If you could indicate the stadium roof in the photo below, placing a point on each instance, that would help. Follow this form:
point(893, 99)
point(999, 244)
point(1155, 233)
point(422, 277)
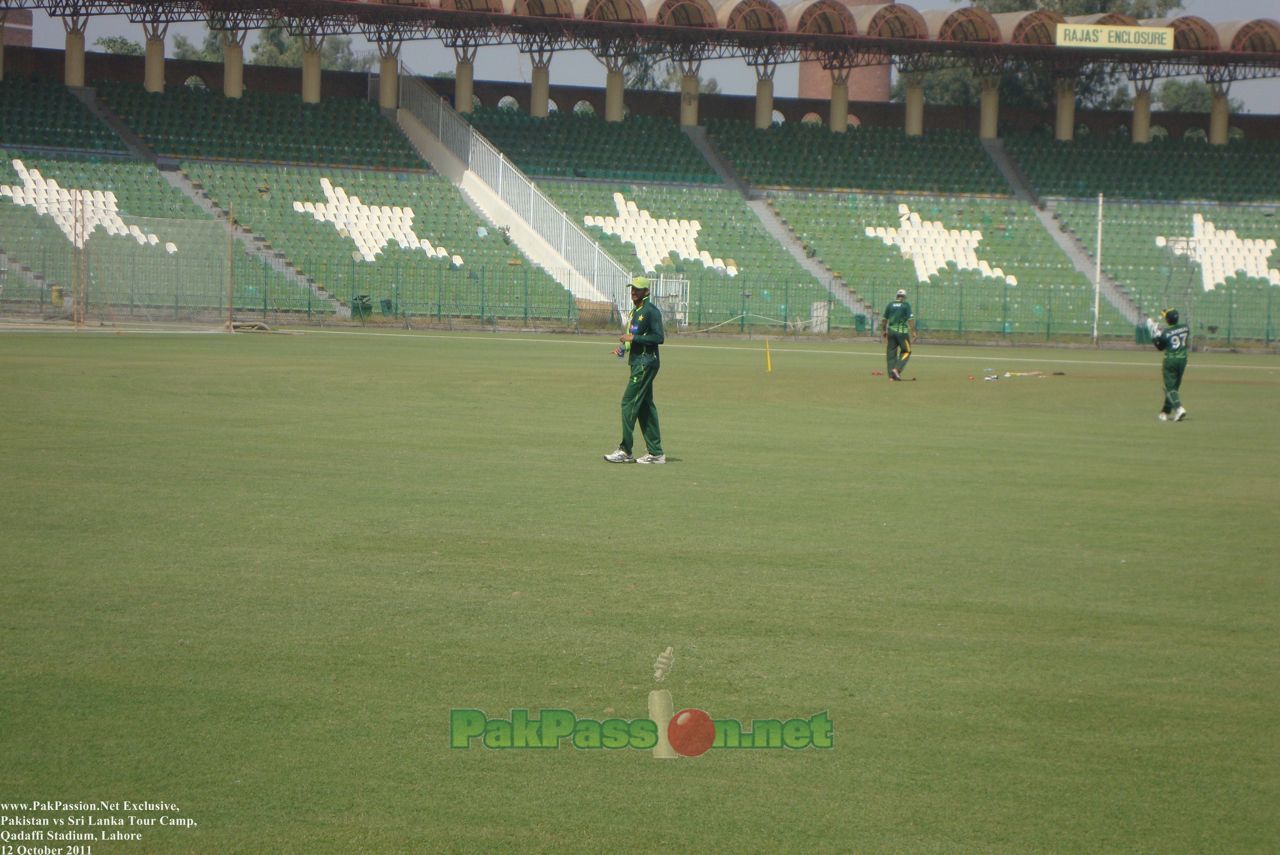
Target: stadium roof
point(836, 34)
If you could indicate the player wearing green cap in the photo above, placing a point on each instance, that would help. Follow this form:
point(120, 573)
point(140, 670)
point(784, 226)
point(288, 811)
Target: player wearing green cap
point(640, 345)
point(898, 328)
point(1175, 343)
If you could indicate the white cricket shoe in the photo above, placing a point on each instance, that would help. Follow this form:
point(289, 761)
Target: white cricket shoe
point(652, 458)
point(1179, 414)
point(1163, 416)
point(619, 456)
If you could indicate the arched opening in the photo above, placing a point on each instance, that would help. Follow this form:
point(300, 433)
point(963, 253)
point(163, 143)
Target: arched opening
point(1235, 133)
point(969, 25)
point(1083, 130)
point(195, 82)
point(686, 13)
point(620, 11)
point(811, 119)
point(854, 121)
point(777, 118)
point(825, 17)
point(584, 108)
point(890, 21)
point(508, 102)
point(1159, 132)
point(1260, 36)
point(1196, 135)
point(758, 16)
point(552, 107)
point(1037, 28)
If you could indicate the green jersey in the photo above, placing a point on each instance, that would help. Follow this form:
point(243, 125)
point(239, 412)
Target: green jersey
point(1175, 342)
point(645, 327)
point(898, 316)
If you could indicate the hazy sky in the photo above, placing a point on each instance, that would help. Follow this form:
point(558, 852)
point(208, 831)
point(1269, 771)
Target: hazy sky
point(579, 67)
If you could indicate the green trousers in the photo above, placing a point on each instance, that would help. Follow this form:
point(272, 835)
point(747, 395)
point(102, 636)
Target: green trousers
point(1172, 383)
point(897, 350)
point(637, 405)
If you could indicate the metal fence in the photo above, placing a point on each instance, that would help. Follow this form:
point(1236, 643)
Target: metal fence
point(165, 269)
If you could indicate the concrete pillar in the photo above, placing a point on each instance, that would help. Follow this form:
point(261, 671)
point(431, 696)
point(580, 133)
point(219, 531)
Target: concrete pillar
point(989, 118)
point(1219, 116)
point(153, 74)
point(389, 77)
point(73, 51)
point(464, 78)
point(915, 106)
point(614, 92)
point(1141, 132)
point(689, 97)
point(540, 89)
point(311, 46)
point(838, 118)
point(764, 100)
point(1064, 127)
point(233, 63)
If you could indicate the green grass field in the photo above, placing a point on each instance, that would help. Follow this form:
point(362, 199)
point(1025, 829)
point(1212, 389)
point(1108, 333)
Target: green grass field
point(251, 575)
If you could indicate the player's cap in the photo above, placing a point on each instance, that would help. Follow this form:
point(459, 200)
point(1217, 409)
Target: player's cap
point(1169, 316)
point(902, 292)
point(640, 283)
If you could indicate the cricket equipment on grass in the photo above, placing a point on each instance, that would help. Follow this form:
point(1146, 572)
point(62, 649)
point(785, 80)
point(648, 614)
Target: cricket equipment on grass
point(1164, 417)
point(663, 664)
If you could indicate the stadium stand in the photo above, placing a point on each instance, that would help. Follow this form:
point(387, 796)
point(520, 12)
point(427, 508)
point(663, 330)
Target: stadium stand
point(708, 236)
point(1218, 263)
point(864, 158)
point(640, 148)
point(406, 241)
point(969, 264)
point(147, 249)
point(1162, 169)
point(260, 127)
point(37, 114)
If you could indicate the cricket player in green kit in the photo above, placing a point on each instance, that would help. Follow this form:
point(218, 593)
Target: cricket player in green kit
point(898, 327)
point(1175, 342)
point(640, 345)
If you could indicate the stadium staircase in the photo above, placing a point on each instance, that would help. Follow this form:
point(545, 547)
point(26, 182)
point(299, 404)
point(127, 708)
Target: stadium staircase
point(503, 196)
point(1012, 174)
point(698, 136)
point(1066, 240)
point(783, 234)
point(253, 244)
point(138, 147)
point(772, 224)
point(14, 272)
point(1113, 291)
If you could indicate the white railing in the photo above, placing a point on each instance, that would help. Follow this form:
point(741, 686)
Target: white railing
point(583, 254)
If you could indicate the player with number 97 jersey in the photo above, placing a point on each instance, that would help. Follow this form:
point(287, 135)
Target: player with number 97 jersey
point(1175, 343)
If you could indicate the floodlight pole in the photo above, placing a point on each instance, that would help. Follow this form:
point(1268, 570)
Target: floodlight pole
point(1097, 274)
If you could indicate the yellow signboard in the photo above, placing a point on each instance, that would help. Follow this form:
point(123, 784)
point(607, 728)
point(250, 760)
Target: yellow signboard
point(1121, 38)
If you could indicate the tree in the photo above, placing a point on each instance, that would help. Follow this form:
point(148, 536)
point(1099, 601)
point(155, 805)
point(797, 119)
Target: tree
point(673, 76)
point(1190, 96)
point(1033, 88)
point(209, 51)
point(646, 70)
point(276, 47)
point(120, 46)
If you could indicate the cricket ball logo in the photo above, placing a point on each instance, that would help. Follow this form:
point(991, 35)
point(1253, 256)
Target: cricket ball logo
point(687, 733)
point(668, 734)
